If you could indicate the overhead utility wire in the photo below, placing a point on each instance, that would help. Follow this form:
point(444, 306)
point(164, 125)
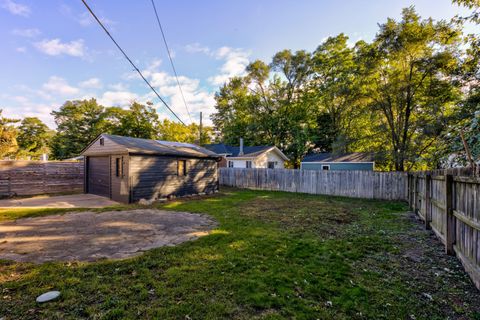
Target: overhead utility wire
point(129, 60)
point(171, 60)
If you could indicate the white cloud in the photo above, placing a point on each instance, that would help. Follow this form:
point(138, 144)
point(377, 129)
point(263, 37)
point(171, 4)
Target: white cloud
point(27, 33)
point(18, 107)
point(92, 83)
point(21, 49)
point(197, 98)
point(119, 86)
point(16, 8)
point(59, 86)
point(85, 20)
point(55, 47)
point(236, 60)
point(117, 98)
point(197, 48)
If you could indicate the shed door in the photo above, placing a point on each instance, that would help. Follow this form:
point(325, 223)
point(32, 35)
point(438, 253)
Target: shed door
point(99, 176)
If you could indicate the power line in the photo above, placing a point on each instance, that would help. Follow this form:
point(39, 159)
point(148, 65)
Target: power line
point(171, 60)
point(131, 62)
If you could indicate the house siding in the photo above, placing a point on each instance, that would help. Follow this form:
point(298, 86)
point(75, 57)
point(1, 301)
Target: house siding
point(153, 177)
point(271, 156)
point(261, 161)
point(367, 166)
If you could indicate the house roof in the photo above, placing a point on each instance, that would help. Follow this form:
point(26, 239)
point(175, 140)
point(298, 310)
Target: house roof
point(218, 148)
point(232, 151)
point(160, 147)
point(346, 157)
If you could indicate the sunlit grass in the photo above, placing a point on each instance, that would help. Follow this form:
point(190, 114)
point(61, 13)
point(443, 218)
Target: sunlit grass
point(273, 256)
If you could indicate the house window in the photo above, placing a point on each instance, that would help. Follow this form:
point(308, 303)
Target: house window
point(248, 164)
point(182, 167)
point(102, 141)
point(117, 167)
point(230, 164)
point(271, 165)
point(325, 167)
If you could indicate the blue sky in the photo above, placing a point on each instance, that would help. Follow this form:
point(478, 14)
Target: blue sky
point(52, 51)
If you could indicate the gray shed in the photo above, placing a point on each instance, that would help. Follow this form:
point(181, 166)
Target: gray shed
point(128, 169)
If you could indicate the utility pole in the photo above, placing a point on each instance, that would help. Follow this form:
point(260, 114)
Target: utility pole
point(200, 129)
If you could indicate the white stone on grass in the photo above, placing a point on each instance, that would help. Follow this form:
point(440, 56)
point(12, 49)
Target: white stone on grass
point(48, 296)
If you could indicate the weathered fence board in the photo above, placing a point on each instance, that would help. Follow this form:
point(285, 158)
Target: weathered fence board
point(20, 178)
point(358, 184)
point(453, 212)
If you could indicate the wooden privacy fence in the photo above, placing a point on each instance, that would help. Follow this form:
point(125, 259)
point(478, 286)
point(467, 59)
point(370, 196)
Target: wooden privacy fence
point(19, 178)
point(450, 206)
point(358, 184)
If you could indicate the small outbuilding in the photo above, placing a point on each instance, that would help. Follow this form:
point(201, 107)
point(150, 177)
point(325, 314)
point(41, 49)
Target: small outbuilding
point(129, 169)
point(330, 161)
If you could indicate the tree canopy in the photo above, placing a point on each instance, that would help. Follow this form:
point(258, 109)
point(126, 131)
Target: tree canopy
point(398, 96)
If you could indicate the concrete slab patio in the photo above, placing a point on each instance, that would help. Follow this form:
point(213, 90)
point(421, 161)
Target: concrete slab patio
point(68, 201)
point(89, 236)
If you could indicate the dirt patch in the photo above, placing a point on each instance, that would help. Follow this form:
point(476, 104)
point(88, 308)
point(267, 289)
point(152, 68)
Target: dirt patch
point(89, 236)
point(301, 214)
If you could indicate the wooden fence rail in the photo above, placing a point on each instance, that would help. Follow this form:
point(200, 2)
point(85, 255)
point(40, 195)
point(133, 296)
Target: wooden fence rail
point(20, 178)
point(450, 205)
point(358, 184)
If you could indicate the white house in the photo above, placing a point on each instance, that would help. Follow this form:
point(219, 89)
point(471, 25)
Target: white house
point(249, 157)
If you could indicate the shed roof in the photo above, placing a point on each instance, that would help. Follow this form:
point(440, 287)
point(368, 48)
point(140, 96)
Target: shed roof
point(346, 157)
point(159, 147)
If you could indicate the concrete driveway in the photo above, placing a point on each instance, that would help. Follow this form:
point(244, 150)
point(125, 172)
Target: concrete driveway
point(70, 201)
point(89, 236)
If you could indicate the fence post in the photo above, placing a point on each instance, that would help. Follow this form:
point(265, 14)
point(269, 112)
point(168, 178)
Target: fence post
point(409, 192)
point(450, 219)
point(415, 194)
point(428, 204)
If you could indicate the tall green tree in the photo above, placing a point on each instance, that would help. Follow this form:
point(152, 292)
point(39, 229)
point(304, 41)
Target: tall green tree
point(269, 105)
point(468, 113)
point(338, 95)
point(8, 136)
point(236, 111)
point(34, 137)
point(409, 82)
point(399, 96)
point(78, 123)
point(174, 131)
point(139, 121)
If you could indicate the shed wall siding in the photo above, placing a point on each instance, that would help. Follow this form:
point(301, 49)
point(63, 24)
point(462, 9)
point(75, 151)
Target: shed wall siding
point(338, 166)
point(109, 147)
point(153, 177)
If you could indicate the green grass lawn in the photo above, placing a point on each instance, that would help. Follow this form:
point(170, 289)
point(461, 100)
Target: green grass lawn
point(274, 255)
